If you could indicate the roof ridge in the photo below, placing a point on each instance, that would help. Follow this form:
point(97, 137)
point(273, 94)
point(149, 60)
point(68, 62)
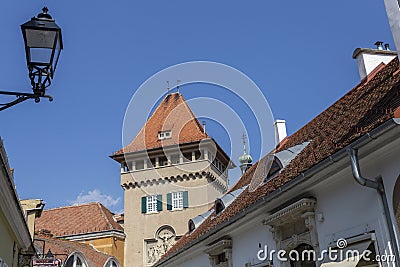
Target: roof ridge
point(172, 112)
point(148, 119)
point(72, 206)
point(104, 215)
point(352, 90)
point(198, 124)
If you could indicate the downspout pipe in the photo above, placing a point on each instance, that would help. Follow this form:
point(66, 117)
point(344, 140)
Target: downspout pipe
point(379, 187)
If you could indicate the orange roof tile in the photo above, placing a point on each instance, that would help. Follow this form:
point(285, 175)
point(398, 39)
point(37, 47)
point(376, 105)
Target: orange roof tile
point(79, 219)
point(361, 110)
point(62, 248)
point(173, 114)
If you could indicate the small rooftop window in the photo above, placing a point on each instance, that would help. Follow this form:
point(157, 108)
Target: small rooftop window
point(164, 135)
point(221, 203)
point(283, 158)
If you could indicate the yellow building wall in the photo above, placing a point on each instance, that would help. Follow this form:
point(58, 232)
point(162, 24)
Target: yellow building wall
point(113, 246)
point(7, 242)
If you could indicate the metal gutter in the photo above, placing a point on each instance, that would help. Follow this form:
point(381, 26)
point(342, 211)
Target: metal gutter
point(342, 153)
point(107, 233)
point(379, 187)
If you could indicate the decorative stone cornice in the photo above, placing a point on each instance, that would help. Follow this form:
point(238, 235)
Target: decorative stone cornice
point(294, 210)
point(219, 247)
point(222, 185)
point(162, 180)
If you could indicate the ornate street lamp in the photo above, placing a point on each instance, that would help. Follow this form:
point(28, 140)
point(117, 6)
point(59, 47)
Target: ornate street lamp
point(43, 44)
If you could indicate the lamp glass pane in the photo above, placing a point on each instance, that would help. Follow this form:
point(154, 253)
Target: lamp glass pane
point(40, 38)
point(40, 55)
point(56, 53)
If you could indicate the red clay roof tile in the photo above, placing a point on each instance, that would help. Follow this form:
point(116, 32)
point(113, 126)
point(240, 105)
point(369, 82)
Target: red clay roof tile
point(62, 248)
point(364, 108)
point(79, 219)
point(173, 114)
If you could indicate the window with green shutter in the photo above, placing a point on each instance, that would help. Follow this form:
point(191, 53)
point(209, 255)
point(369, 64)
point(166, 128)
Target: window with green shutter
point(185, 199)
point(144, 204)
point(151, 204)
point(159, 202)
point(169, 201)
point(177, 200)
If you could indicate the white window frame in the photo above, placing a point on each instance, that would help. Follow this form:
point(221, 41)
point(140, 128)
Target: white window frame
point(151, 204)
point(112, 263)
point(75, 260)
point(177, 200)
point(164, 135)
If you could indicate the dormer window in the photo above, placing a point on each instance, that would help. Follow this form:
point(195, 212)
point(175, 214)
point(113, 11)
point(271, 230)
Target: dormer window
point(164, 135)
point(219, 206)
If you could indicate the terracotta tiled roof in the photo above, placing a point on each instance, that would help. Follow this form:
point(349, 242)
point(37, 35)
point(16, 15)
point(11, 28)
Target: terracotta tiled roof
point(374, 101)
point(62, 248)
point(79, 219)
point(173, 114)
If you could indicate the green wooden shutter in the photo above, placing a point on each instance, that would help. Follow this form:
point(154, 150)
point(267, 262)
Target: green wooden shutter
point(159, 202)
point(185, 199)
point(144, 204)
point(169, 201)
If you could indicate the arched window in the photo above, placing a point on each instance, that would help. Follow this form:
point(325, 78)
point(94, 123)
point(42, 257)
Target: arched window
point(112, 263)
point(396, 201)
point(219, 206)
point(75, 260)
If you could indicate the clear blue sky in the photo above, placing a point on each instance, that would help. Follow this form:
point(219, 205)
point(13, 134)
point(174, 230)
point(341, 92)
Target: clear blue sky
point(298, 53)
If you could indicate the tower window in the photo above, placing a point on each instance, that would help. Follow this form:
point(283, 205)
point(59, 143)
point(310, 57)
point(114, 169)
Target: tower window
point(177, 200)
point(164, 135)
point(151, 204)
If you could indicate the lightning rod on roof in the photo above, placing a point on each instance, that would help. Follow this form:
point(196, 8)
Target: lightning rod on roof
point(168, 87)
point(177, 85)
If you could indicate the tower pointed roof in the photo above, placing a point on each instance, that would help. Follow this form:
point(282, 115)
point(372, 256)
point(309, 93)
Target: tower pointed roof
point(173, 115)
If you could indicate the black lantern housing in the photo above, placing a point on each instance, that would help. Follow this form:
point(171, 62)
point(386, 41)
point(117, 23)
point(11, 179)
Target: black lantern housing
point(43, 44)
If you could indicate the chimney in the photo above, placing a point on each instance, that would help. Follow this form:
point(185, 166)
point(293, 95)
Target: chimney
point(280, 131)
point(368, 59)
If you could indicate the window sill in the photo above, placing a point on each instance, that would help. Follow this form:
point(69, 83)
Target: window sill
point(177, 209)
point(153, 212)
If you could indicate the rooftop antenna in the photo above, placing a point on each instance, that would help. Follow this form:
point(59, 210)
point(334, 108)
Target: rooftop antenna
point(177, 84)
point(168, 87)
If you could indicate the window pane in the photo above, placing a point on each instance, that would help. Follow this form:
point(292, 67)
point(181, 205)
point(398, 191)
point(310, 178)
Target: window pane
point(78, 262)
point(151, 204)
point(70, 262)
point(177, 200)
point(41, 55)
point(56, 54)
point(39, 38)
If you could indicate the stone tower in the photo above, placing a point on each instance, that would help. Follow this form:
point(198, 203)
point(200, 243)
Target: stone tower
point(170, 172)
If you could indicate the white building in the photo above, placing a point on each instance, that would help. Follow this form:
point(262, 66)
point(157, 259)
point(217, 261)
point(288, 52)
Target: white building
point(333, 186)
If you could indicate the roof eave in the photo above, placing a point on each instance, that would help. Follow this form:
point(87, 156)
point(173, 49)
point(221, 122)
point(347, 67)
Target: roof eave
point(359, 142)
